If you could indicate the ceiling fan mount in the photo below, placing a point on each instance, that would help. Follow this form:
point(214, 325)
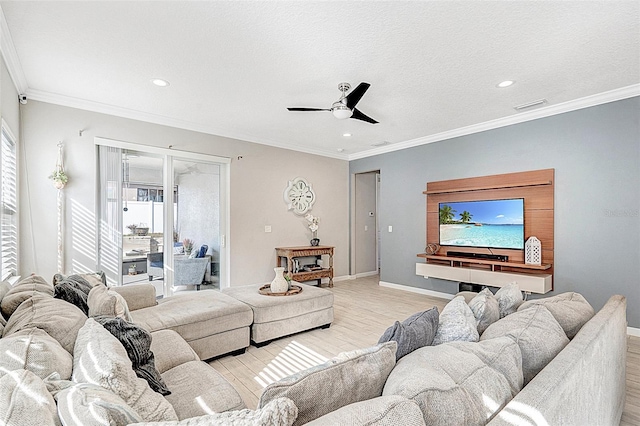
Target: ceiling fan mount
point(345, 107)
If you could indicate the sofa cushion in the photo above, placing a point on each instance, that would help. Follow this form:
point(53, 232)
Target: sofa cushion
point(485, 309)
point(94, 406)
point(104, 301)
point(456, 323)
point(60, 319)
point(99, 358)
point(4, 289)
point(381, 411)
point(34, 350)
point(198, 389)
point(196, 314)
point(415, 332)
point(538, 334)
point(509, 299)
point(33, 284)
point(571, 310)
point(138, 296)
point(170, 350)
point(24, 400)
point(350, 377)
point(459, 383)
point(136, 341)
point(279, 412)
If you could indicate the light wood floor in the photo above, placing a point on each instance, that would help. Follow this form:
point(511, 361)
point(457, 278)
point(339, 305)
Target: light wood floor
point(362, 310)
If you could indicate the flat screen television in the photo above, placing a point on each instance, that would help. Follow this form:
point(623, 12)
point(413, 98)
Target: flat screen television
point(489, 224)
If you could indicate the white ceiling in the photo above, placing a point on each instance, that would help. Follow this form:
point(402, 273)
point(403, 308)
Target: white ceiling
point(234, 67)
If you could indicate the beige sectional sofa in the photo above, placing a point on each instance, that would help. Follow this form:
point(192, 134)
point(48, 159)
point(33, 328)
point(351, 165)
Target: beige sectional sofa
point(363, 387)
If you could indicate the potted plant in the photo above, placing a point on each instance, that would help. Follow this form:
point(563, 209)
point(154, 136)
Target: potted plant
point(313, 226)
point(59, 178)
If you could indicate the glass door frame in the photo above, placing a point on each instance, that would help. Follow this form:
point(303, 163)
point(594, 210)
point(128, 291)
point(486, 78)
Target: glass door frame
point(168, 156)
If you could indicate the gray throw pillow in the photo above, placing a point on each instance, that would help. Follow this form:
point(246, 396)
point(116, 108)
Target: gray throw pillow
point(33, 284)
point(537, 333)
point(103, 300)
point(136, 341)
point(571, 310)
point(456, 323)
point(415, 332)
point(350, 377)
point(70, 293)
point(485, 309)
point(509, 299)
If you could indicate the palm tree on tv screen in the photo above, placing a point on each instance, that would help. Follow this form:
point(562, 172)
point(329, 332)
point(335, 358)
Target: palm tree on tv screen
point(465, 217)
point(446, 214)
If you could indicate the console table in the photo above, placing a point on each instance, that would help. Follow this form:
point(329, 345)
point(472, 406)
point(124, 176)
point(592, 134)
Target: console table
point(306, 251)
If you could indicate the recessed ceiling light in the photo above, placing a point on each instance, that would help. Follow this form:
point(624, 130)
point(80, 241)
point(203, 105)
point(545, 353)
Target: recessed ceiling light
point(160, 82)
point(346, 135)
point(340, 149)
point(505, 83)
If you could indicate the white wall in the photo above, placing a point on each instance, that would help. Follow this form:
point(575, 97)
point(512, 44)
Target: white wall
point(257, 184)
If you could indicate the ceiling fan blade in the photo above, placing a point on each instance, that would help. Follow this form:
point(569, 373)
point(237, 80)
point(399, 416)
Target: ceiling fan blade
point(360, 116)
point(356, 94)
point(308, 109)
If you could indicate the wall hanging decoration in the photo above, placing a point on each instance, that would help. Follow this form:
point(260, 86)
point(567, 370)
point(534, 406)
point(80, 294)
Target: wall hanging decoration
point(533, 251)
point(60, 179)
point(299, 196)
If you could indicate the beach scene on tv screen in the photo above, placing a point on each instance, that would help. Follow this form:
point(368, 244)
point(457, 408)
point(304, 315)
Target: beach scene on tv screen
point(494, 223)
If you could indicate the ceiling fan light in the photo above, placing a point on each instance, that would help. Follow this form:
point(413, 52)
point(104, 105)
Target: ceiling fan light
point(341, 112)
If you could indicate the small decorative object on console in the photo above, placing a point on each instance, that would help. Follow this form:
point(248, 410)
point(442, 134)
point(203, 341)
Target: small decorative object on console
point(431, 248)
point(533, 251)
point(313, 226)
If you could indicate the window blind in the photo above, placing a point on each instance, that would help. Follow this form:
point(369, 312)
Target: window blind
point(9, 204)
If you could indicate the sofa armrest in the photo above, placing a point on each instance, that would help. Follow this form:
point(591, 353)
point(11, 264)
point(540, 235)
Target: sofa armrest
point(170, 350)
point(138, 296)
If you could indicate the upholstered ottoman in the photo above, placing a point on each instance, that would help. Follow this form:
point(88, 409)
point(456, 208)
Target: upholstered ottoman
point(211, 322)
point(279, 316)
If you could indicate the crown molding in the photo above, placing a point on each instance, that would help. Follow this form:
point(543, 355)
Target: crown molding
point(576, 104)
point(71, 102)
point(11, 56)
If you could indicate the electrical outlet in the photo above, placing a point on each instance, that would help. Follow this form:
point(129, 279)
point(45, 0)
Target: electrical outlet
point(366, 228)
point(267, 228)
point(390, 228)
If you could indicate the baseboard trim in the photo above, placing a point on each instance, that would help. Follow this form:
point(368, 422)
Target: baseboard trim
point(418, 290)
point(366, 274)
point(344, 278)
point(632, 331)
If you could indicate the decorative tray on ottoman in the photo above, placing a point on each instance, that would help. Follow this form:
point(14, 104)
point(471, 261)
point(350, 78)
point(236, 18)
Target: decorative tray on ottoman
point(293, 290)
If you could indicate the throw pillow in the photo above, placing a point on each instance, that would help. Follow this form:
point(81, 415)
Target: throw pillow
point(509, 299)
point(34, 350)
point(104, 301)
point(4, 289)
point(459, 383)
point(537, 333)
point(456, 323)
point(485, 309)
point(415, 332)
point(61, 320)
point(89, 278)
point(94, 405)
point(99, 358)
point(68, 292)
point(136, 341)
point(33, 284)
point(24, 400)
point(571, 310)
point(280, 411)
point(350, 377)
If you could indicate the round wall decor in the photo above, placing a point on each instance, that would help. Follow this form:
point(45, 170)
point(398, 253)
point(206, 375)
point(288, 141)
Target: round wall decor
point(299, 196)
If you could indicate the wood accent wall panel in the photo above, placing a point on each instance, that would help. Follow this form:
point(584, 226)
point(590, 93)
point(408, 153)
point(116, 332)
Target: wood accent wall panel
point(536, 187)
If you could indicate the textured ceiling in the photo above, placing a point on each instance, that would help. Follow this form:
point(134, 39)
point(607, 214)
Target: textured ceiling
point(234, 67)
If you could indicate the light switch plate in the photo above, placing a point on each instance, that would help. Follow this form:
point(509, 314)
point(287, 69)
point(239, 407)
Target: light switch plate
point(390, 228)
point(267, 228)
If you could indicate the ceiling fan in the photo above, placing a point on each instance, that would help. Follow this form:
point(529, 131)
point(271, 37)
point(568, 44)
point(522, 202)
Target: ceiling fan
point(345, 107)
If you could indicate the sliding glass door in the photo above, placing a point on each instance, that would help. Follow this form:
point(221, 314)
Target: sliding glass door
point(162, 217)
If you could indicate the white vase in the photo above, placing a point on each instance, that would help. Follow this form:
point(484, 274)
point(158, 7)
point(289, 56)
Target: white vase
point(279, 284)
